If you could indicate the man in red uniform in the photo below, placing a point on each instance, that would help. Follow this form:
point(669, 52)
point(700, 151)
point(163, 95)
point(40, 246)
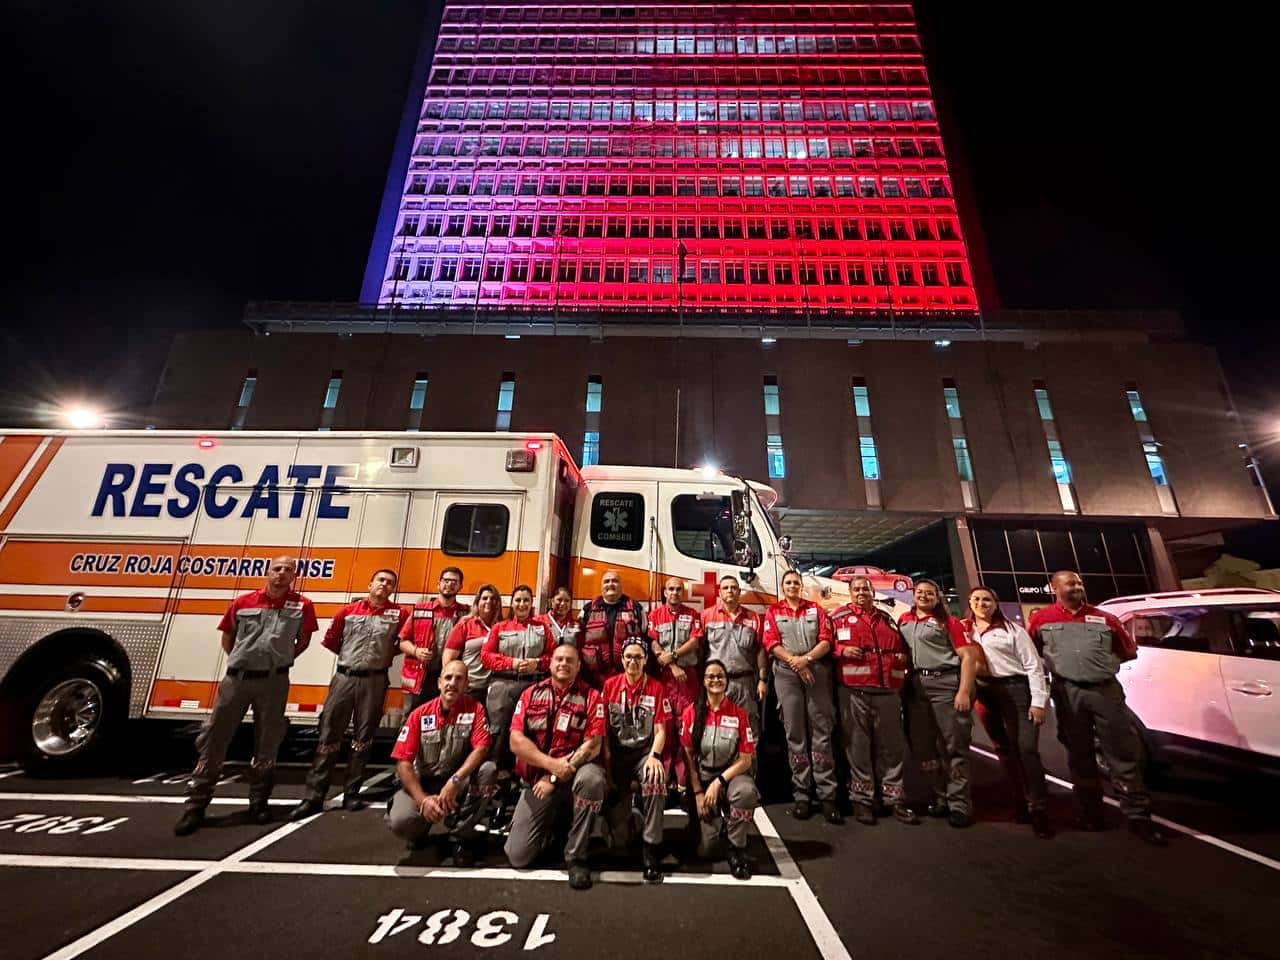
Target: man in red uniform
point(440, 759)
point(363, 635)
point(731, 634)
point(1083, 648)
point(263, 632)
point(605, 625)
point(871, 666)
point(675, 633)
point(422, 639)
point(556, 734)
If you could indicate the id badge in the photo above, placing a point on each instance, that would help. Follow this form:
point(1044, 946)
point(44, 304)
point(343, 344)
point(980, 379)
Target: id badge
point(562, 723)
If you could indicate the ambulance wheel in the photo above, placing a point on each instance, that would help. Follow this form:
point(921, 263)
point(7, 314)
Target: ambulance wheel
point(68, 715)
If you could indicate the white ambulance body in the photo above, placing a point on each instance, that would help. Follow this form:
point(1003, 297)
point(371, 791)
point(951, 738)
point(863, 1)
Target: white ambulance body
point(120, 550)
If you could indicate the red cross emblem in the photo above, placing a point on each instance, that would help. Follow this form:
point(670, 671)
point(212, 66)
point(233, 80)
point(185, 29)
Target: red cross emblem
point(708, 590)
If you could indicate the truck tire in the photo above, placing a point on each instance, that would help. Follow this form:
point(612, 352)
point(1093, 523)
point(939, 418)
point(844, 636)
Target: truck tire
point(67, 717)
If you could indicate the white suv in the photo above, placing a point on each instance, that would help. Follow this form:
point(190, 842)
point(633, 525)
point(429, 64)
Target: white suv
point(1207, 677)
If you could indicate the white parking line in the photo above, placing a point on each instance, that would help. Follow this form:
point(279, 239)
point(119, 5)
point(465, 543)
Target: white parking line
point(10, 773)
point(1170, 824)
point(815, 918)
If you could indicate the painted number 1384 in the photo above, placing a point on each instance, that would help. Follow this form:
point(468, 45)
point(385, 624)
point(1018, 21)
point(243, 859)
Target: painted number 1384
point(43, 823)
point(445, 926)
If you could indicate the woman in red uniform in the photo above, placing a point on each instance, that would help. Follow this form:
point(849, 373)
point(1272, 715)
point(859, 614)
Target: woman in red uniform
point(939, 700)
point(517, 654)
point(467, 638)
point(560, 619)
point(797, 634)
point(719, 747)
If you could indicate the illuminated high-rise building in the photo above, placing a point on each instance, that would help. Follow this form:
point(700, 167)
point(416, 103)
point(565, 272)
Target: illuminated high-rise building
point(665, 157)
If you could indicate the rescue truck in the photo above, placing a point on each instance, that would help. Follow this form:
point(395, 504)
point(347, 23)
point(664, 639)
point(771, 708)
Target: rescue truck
point(120, 550)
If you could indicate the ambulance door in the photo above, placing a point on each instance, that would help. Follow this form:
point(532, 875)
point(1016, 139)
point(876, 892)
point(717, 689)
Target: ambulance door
point(696, 542)
point(484, 534)
point(615, 531)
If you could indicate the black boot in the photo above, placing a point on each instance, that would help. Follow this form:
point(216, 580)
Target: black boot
point(1040, 824)
point(938, 809)
point(739, 866)
point(189, 822)
point(307, 808)
point(802, 809)
point(831, 811)
point(904, 814)
point(652, 863)
point(864, 813)
point(1145, 830)
point(259, 812)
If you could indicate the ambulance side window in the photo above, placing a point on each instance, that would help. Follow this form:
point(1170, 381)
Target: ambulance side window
point(703, 529)
point(475, 530)
point(617, 520)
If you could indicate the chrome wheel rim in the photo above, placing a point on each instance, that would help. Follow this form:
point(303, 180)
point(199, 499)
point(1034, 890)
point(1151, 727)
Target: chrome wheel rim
point(67, 717)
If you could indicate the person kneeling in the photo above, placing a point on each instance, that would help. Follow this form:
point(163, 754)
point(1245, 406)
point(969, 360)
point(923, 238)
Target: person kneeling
point(719, 747)
point(440, 760)
point(556, 731)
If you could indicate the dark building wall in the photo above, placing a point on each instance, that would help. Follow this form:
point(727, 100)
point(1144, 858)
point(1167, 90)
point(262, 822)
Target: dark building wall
point(721, 412)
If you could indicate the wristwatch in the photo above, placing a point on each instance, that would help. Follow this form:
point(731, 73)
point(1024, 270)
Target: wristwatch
point(455, 780)
point(656, 755)
point(554, 778)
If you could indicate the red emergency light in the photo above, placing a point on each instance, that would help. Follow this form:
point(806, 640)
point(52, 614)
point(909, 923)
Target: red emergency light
point(533, 445)
point(206, 443)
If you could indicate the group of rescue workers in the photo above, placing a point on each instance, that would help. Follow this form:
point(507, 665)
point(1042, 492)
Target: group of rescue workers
point(605, 713)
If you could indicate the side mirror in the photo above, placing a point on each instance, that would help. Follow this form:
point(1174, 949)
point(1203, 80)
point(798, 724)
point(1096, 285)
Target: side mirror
point(740, 511)
point(784, 544)
point(742, 552)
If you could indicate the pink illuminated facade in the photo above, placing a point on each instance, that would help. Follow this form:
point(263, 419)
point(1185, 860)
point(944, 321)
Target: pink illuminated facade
point(692, 157)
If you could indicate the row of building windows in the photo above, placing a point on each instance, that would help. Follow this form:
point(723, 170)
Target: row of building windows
point(701, 270)
point(686, 107)
point(671, 42)
point(887, 81)
point(532, 184)
point(705, 148)
point(865, 13)
point(615, 226)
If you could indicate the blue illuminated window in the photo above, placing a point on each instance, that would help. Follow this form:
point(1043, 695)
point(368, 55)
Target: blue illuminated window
point(777, 459)
point(772, 397)
point(246, 389)
point(506, 400)
point(870, 459)
point(1042, 402)
point(1061, 469)
point(595, 394)
point(951, 398)
point(1135, 406)
point(963, 464)
point(418, 398)
point(332, 390)
point(590, 448)
point(861, 399)
point(1155, 463)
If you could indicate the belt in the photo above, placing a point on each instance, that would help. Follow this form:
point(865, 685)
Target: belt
point(934, 671)
point(739, 674)
point(348, 672)
point(255, 674)
point(517, 675)
point(1012, 678)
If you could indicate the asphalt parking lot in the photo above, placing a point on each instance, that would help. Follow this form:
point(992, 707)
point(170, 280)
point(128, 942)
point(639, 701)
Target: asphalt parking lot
point(91, 868)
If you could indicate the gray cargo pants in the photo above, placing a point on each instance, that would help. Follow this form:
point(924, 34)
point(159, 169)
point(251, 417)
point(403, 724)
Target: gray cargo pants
point(874, 744)
point(742, 691)
point(500, 703)
point(940, 736)
point(808, 715)
point(628, 776)
point(1083, 709)
point(354, 700)
point(267, 696)
point(404, 820)
point(1005, 702)
point(534, 822)
point(737, 807)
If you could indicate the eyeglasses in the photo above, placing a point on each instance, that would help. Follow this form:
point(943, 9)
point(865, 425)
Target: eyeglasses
point(633, 656)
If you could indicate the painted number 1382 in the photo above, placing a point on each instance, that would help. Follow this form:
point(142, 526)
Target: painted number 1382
point(445, 926)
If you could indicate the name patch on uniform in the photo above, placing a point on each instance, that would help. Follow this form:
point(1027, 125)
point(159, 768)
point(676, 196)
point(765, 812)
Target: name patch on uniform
point(811, 613)
point(843, 633)
point(647, 702)
point(729, 722)
point(625, 617)
point(466, 719)
point(1091, 618)
point(423, 614)
point(428, 722)
point(293, 604)
point(685, 618)
point(391, 615)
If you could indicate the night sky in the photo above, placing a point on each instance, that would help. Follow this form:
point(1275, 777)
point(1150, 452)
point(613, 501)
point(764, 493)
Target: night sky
point(170, 162)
